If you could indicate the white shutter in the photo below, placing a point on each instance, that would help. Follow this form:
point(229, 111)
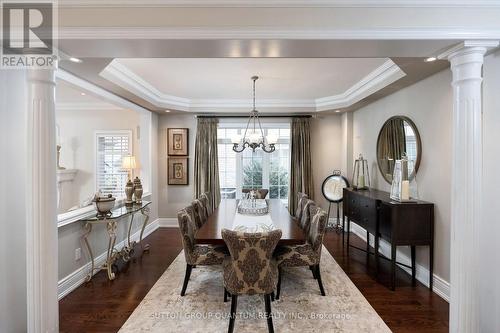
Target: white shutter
point(110, 149)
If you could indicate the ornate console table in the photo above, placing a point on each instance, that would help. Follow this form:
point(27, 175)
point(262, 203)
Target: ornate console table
point(111, 222)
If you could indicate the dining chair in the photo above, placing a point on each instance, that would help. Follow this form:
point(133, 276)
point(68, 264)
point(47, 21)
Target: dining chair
point(250, 269)
point(305, 219)
point(200, 210)
point(194, 216)
point(205, 198)
point(308, 254)
point(195, 254)
point(301, 201)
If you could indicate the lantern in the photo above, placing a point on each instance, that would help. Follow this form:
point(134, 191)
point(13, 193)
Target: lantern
point(360, 176)
point(404, 185)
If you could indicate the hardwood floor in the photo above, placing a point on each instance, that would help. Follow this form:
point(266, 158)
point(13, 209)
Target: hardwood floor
point(103, 306)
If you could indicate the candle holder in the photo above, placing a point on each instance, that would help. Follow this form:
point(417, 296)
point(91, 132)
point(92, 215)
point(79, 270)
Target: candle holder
point(403, 189)
point(360, 175)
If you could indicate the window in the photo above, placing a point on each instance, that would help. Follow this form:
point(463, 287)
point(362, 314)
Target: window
point(257, 169)
point(110, 149)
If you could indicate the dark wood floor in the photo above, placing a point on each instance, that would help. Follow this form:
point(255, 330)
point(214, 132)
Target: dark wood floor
point(104, 306)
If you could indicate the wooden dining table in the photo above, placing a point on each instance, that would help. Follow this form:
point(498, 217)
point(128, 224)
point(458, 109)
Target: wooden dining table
point(226, 217)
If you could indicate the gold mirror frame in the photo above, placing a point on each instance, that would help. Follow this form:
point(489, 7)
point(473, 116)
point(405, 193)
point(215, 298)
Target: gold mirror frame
point(418, 141)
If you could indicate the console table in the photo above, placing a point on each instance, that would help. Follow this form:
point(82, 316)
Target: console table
point(401, 224)
point(111, 221)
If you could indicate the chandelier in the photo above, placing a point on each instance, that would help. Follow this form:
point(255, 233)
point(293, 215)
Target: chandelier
point(255, 137)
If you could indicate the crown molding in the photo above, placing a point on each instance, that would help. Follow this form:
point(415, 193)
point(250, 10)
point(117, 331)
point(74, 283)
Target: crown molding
point(282, 3)
point(175, 33)
point(379, 78)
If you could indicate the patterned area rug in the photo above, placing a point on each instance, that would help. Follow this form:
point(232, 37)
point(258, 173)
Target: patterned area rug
point(300, 308)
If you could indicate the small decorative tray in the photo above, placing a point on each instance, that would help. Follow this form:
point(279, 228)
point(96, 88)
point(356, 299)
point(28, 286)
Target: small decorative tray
point(253, 207)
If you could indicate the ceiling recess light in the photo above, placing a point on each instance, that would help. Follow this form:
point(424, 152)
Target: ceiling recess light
point(73, 59)
point(337, 111)
point(430, 59)
point(83, 94)
point(167, 111)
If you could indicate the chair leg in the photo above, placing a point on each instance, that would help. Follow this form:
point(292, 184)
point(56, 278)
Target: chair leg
point(278, 287)
point(186, 279)
point(313, 270)
point(318, 275)
point(225, 295)
point(267, 299)
point(234, 304)
point(272, 296)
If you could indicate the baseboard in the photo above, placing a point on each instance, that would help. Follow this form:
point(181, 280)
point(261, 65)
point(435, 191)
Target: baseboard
point(440, 286)
point(168, 222)
point(69, 283)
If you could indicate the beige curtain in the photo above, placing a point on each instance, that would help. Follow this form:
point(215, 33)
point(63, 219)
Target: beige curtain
point(392, 144)
point(206, 162)
point(301, 179)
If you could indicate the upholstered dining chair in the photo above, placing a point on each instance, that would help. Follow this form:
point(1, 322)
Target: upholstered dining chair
point(200, 210)
point(301, 201)
point(261, 192)
point(305, 219)
point(207, 202)
point(250, 269)
point(308, 254)
point(196, 254)
point(194, 216)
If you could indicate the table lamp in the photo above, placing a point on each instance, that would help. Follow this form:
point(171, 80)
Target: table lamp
point(128, 163)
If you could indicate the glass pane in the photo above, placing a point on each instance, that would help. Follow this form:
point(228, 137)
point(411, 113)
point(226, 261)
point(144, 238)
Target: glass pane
point(283, 192)
point(273, 192)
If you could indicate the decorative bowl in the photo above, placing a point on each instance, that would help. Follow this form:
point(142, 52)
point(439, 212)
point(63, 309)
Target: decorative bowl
point(104, 205)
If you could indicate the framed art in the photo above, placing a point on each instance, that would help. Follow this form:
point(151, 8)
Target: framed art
point(178, 142)
point(178, 173)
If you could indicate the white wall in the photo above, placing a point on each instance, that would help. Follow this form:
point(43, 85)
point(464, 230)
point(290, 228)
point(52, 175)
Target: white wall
point(172, 198)
point(489, 247)
point(77, 132)
point(326, 142)
point(429, 104)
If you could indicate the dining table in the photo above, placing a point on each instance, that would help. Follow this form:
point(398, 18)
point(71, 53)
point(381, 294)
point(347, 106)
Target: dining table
point(226, 216)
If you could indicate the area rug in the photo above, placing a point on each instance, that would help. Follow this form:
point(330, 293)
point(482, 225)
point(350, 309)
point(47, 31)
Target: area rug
point(300, 308)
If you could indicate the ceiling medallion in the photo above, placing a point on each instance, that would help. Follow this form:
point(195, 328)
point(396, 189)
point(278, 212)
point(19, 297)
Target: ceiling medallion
point(255, 138)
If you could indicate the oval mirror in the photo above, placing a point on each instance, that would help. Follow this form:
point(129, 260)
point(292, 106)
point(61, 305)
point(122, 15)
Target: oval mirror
point(398, 136)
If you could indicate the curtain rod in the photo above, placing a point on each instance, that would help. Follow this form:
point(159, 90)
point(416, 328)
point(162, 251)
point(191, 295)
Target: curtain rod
point(260, 116)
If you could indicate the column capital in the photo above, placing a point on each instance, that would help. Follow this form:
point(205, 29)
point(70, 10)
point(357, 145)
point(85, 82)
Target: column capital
point(469, 47)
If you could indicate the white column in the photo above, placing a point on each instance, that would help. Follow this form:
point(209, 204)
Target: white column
point(41, 226)
point(466, 64)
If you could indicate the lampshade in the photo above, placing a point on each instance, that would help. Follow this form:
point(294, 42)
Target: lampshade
point(128, 162)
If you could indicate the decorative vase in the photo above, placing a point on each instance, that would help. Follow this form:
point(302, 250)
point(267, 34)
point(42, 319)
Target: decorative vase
point(361, 175)
point(129, 191)
point(138, 190)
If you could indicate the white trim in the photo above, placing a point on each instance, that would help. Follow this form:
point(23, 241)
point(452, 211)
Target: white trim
point(69, 283)
point(168, 222)
point(282, 3)
point(91, 88)
point(231, 32)
point(491, 44)
point(440, 286)
point(379, 78)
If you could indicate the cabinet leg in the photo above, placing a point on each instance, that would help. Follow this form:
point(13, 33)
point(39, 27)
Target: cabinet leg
point(348, 233)
point(431, 265)
point(343, 227)
point(393, 267)
point(413, 268)
point(376, 240)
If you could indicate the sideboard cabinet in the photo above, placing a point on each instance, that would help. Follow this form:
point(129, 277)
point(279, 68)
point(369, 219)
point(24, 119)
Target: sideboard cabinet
point(401, 224)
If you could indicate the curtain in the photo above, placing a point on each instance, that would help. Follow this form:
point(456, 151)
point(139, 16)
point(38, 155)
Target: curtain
point(206, 161)
point(300, 162)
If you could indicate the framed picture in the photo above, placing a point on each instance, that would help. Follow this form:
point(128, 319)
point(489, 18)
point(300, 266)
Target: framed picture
point(178, 173)
point(178, 142)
